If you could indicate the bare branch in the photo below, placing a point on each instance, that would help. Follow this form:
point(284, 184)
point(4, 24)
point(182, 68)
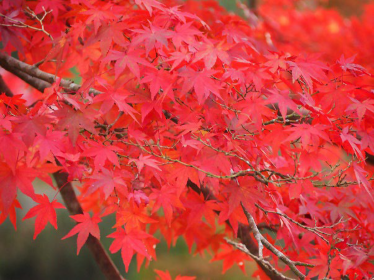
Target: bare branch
point(255, 230)
point(264, 262)
point(270, 247)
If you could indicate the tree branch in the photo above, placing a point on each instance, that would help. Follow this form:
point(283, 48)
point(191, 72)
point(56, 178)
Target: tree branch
point(101, 257)
point(4, 88)
point(12, 65)
point(269, 246)
point(264, 262)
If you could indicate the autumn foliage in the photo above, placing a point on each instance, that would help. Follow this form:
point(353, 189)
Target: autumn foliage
point(248, 137)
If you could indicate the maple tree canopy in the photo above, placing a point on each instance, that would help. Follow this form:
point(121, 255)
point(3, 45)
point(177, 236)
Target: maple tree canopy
point(186, 121)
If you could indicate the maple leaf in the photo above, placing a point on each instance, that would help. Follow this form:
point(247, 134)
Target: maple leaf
point(367, 140)
point(348, 65)
point(29, 126)
point(230, 257)
point(107, 34)
point(98, 15)
point(151, 36)
point(74, 120)
point(185, 33)
point(145, 160)
point(307, 133)
point(168, 199)
point(245, 193)
point(209, 52)
point(361, 178)
point(202, 83)
point(257, 77)
point(309, 68)
point(181, 175)
point(276, 61)
point(130, 59)
point(106, 180)
point(149, 5)
point(113, 96)
point(11, 147)
point(138, 196)
point(353, 142)
point(50, 143)
point(256, 108)
point(86, 225)
point(361, 107)
point(283, 100)
point(50, 5)
point(9, 33)
point(45, 212)
point(11, 179)
point(129, 242)
point(166, 276)
point(179, 57)
point(132, 216)
point(102, 153)
point(11, 212)
point(157, 79)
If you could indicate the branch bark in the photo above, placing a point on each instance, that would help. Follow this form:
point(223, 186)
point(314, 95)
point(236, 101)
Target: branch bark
point(4, 88)
point(101, 257)
point(263, 241)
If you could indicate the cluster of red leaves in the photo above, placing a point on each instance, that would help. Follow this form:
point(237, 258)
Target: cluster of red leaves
point(192, 95)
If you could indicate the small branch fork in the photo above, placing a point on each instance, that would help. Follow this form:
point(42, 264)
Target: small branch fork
point(263, 242)
point(316, 230)
point(21, 24)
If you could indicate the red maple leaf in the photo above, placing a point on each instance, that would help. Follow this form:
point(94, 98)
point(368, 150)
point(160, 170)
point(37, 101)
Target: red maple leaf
point(283, 100)
point(129, 242)
point(10, 180)
point(49, 143)
point(308, 67)
point(353, 142)
point(118, 97)
point(348, 65)
point(166, 276)
point(230, 256)
point(151, 37)
point(185, 33)
point(361, 107)
point(45, 212)
point(107, 180)
point(86, 225)
point(168, 199)
point(130, 59)
point(210, 52)
point(149, 5)
point(145, 160)
point(202, 83)
point(102, 153)
point(308, 133)
point(133, 216)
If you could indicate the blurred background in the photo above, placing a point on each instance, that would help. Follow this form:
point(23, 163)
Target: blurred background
point(49, 257)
